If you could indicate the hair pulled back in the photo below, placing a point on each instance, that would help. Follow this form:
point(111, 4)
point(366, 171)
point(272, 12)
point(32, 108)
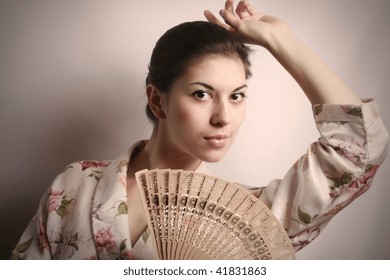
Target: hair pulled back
point(188, 41)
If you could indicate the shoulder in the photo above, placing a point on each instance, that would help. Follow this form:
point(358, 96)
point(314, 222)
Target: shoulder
point(77, 178)
point(80, 171)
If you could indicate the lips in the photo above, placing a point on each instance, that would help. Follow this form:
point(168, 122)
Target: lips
point(217, 141)
point(216, 137)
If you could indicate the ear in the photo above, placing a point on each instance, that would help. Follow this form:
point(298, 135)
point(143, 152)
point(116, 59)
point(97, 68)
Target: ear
point(155, 100)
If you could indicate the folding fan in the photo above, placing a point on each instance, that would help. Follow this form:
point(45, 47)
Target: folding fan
point(197, 216)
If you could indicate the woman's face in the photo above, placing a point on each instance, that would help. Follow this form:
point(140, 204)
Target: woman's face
point(204, 108)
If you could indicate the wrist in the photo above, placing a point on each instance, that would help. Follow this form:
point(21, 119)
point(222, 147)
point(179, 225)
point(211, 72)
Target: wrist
point(282, 42)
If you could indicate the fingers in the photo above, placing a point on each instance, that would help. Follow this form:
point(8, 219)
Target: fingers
point(241, 10)
point(231, 19)
point(232, 22)
point(248, 7)
point(229, 6)
point(213, 19)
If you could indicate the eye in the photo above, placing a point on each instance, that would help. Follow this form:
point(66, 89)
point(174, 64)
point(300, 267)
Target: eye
point(201, 95)
point(237, 97)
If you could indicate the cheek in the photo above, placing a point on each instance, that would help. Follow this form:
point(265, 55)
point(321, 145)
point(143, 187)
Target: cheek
point(240, 115)
point(243, 114)
point(188, 115)
point(183, 114)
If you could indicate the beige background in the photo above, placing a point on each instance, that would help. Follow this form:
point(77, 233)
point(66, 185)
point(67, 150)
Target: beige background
point(71, 88)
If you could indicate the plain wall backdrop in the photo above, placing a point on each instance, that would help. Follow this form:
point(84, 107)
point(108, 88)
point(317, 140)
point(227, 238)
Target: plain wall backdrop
point(72, 87)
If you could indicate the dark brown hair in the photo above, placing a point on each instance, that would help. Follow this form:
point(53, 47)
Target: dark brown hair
point(188, 41)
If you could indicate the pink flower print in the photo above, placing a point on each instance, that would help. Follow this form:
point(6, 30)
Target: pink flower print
point(43, 242)
point(54, 200)
point(303, 239)
point(105, 239)
point(361, 184)
point(353, 186)
point(89, 164)
point(128, 255)
point(363, 181)
point(370, 172)
point(351, 156)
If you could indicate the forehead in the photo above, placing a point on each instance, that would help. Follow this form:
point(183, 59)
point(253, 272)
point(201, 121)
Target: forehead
point(215, 70)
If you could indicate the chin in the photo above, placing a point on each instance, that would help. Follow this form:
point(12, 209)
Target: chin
point(213, 158)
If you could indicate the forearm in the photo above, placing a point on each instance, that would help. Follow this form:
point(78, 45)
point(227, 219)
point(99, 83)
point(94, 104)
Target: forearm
point(318, 82)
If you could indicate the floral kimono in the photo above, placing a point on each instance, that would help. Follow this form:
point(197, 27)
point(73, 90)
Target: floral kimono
point(84, 213)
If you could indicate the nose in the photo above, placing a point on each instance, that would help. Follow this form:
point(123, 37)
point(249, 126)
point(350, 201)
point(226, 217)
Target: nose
point(221, 115)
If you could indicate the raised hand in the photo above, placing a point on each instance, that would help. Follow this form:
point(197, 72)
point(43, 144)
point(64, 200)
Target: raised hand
point(246, 22)
point(318, 82)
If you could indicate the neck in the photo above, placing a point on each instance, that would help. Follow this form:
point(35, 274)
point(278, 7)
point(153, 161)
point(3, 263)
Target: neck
point(160, 154)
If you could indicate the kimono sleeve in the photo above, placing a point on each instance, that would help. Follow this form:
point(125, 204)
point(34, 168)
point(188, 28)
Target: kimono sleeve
point(35, 242)
point(336, 169)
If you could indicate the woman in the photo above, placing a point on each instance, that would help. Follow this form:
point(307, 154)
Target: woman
point(196, 90)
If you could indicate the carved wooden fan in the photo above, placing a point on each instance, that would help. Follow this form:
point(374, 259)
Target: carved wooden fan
point(197, 216)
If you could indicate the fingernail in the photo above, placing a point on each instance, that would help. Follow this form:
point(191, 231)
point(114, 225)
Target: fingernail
point(222, 12)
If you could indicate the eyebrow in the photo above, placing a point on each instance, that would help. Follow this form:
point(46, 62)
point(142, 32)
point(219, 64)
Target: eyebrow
point(211, 88)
